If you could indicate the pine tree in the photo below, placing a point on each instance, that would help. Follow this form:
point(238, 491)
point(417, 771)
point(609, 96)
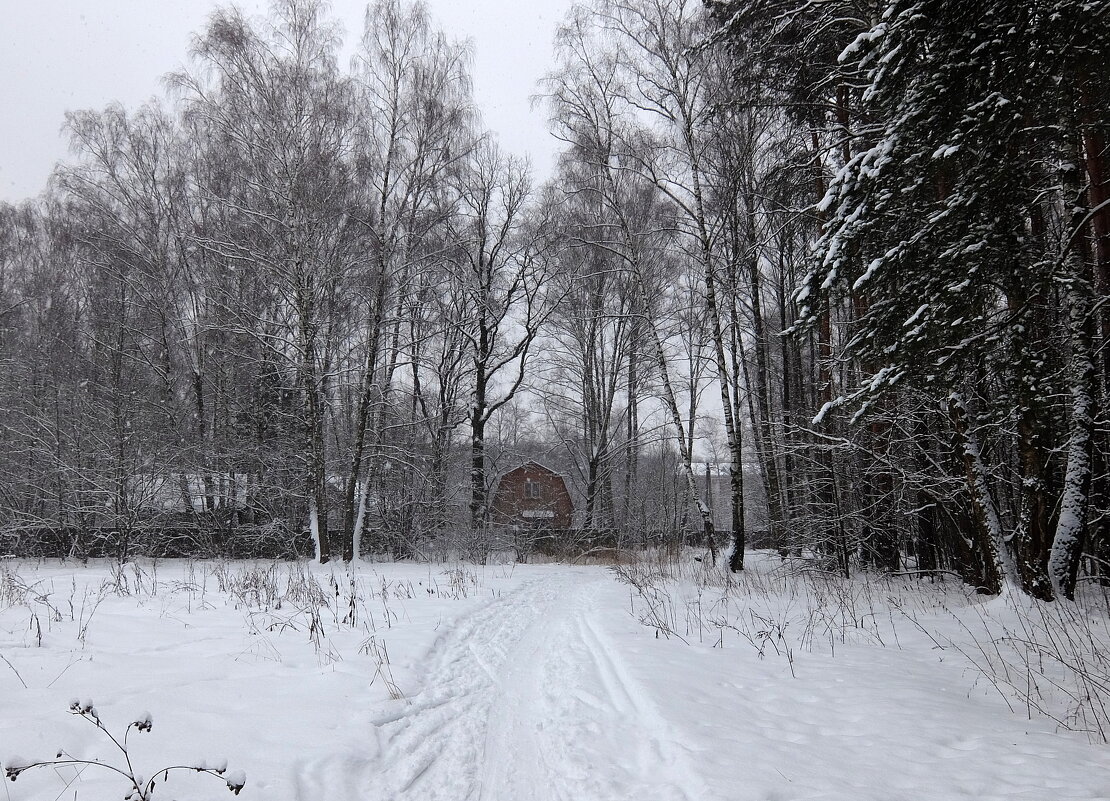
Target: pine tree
point(951, 220)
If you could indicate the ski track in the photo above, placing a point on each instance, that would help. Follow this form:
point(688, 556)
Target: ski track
point(524, 698)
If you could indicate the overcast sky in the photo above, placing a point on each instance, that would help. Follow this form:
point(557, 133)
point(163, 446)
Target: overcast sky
point(57, 55)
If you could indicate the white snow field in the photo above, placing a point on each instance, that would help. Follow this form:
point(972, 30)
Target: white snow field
point(517, 683)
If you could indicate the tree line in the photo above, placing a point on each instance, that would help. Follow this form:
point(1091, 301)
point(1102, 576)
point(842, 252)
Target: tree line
point(855, 252)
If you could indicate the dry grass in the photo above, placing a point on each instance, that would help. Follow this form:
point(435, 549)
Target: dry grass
point(1044, 659)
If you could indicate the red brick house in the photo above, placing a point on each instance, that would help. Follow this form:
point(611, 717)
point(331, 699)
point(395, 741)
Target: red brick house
point(532, 496)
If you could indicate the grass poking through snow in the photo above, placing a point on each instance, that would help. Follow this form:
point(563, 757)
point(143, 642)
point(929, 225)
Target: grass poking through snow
point(1043, 659)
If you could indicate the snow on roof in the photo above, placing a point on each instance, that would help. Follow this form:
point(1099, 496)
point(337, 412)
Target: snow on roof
point(534, 463)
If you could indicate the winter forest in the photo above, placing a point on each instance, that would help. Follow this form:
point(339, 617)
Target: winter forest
point(815, 298)
point(849, 255)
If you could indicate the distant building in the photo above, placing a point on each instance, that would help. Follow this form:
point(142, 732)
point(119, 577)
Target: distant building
point(532, 496)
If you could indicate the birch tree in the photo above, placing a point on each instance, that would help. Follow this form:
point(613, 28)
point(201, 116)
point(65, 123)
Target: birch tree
point(275, 104)
point(588, 95)
point(412, 129)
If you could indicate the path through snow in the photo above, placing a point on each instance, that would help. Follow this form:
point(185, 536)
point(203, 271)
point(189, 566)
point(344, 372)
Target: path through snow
point(553, 692)
point(526, 699)
point(526, 683)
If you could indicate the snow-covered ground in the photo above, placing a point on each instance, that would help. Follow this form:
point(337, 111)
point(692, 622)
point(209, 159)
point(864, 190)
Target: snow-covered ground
point(519, 683)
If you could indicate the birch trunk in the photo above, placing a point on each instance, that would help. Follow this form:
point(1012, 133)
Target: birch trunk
point(1071, 526)
point(999, 571)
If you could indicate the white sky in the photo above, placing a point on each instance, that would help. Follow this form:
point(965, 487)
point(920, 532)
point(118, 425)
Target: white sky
point(57, 55)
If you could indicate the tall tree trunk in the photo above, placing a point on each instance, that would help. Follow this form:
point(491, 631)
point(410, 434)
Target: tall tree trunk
point(671, 402)
point(1095, 157)
point(1033, 538)
point(726, 378)
point(632, 428)
point(479, 511)
point(351, 505)
point(1071, 526)
point(1081, 269)
point(763, 392)
point(999, 572)
point(317, 469)
point(826, 477)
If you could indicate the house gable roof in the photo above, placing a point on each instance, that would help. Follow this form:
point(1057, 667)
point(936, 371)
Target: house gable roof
point(532, 464)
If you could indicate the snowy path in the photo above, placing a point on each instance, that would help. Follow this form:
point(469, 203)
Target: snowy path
point(532, 683)
point(526, 699)
point(553, 692)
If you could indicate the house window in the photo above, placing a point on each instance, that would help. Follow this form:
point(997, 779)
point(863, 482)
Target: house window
point(531, 490)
